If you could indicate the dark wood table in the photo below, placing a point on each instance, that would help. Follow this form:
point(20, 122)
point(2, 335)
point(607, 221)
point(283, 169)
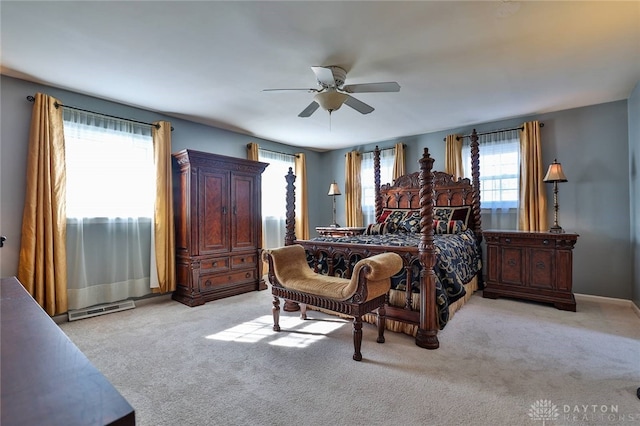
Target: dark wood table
point(45, 379)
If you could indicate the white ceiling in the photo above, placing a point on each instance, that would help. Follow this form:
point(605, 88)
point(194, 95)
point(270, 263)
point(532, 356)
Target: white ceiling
point(458, 63)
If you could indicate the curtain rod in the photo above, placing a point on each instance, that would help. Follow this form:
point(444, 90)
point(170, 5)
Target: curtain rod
point(277, 152)
point(367, 152)
point(57, 105)
point(492, 132)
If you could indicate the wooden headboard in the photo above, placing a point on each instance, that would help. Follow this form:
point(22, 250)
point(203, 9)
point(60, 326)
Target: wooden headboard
point(404, 194)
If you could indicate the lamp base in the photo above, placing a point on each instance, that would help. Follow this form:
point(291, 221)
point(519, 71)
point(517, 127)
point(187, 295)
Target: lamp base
point(556, 229)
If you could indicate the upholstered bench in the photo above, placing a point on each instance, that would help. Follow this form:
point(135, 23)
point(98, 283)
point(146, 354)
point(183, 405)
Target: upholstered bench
point(291, 278)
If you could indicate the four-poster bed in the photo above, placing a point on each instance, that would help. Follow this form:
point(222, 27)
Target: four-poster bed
point(433, 222)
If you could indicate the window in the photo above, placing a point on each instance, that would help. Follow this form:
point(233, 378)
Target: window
point(110, 169)
point(274, 196)
point(500, 169)
point(110, 203)
point(499, 178)
point(387, 158)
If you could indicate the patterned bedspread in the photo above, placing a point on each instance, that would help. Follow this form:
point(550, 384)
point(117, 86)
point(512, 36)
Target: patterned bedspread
point(458, 261)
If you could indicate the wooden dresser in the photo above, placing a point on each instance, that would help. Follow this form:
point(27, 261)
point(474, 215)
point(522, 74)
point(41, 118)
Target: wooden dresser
point(217, 207)
point(46, 379)
point(534, 266)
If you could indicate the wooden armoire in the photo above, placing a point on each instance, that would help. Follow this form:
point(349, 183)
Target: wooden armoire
point(217, 207)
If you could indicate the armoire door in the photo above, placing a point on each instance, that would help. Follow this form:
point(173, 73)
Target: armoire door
point(244, 212)
point(213, 212)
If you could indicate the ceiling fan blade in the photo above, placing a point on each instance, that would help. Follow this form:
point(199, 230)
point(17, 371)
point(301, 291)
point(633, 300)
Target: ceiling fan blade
point(390, 86)
point(291, 90)
point(324, 76)
point(313, 106)
point(359, 106)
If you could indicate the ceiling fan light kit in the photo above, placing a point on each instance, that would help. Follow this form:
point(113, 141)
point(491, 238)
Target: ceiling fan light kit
point(332, 93)
point(331, 100)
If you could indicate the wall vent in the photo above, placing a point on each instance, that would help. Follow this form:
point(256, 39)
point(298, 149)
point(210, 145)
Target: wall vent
point(100, 310)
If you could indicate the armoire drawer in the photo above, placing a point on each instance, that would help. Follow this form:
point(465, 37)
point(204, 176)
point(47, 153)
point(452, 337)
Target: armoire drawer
point(219, 264)
point(209, 282)
point(244, 261)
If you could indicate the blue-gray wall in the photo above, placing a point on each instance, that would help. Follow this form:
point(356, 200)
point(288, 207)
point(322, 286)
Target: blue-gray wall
point(14, 136)
point(634, 180)
point(593, 143)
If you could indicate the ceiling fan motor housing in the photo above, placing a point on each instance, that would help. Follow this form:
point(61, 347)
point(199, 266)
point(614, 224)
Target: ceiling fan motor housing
point(339, 76)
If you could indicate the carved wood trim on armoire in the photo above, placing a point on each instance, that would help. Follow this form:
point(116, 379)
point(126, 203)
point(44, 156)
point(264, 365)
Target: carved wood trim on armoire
point(218, 224)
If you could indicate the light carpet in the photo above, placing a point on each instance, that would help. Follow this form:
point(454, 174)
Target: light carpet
point(500, 362)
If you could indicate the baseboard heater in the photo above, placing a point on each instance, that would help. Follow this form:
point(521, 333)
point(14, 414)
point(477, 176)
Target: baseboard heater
point(100, 310)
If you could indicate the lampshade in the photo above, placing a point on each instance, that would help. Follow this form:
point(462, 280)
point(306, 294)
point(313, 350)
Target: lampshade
point(330, 100)
point(555, 173)
point(333, 189)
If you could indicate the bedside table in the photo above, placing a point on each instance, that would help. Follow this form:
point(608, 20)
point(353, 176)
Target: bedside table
point(529, 265)
point(334, 231)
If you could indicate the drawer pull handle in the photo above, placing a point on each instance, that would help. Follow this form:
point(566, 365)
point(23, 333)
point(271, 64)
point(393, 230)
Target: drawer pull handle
point(207, 283)
point(247, 275)
point(545, 242)
point(507, 240)
point(511, 262)
point(540, 265)
point(242, 260)
point(214, 264)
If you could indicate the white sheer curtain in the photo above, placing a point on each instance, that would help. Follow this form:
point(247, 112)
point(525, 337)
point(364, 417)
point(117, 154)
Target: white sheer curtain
point(274, 196)
point(499, 178)
point(387, 159)
point(110, 202)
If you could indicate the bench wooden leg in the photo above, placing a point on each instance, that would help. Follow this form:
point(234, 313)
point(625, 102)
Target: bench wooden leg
point(357, 338)
point(276, 313)
point(381, 319)
point(303, 311)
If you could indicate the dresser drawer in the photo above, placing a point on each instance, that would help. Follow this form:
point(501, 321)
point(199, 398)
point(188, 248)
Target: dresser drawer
point(526, 242)
point(244, 261)
point(219, 264)
point(210, 282)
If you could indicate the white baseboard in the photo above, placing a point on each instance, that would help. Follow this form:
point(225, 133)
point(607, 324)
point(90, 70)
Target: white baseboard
point(609, 300)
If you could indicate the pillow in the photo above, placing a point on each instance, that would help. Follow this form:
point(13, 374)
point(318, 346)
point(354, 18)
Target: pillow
point(448, 226)
point(381, 228)
point(392, 215)
point(449, 213)
point(384, 215)
point(411, 221)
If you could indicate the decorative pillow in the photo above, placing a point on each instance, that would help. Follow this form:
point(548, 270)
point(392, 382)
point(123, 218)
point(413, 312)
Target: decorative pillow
point(452, 213)
point(381, 228)
point(392, 215)
point(384, 215)
point(448, 227)
point(411, 221)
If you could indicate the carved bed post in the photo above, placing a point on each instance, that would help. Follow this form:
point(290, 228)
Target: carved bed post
point(376, 182)
point(427, 335)
point(290, 235)
point(475, 183)
point(475, 177)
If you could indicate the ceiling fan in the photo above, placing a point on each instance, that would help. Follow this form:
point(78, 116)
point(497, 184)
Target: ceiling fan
point(332, 91)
